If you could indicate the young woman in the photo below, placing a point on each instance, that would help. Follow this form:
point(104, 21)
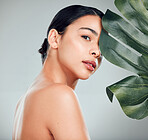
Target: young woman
point(50, 109)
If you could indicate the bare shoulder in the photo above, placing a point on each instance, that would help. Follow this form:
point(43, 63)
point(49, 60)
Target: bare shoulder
point(55, 96)
point(54, 92)
point(58, 108)
point(59, 89)
point(61, 93)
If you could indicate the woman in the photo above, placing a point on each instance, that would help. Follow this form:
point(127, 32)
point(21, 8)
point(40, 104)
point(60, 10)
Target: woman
point(50, 109)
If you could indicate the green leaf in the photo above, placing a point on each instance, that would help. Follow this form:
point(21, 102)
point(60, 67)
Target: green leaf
point(132, 94)
point(135, 12)
point(126, 45)
point(118, 54)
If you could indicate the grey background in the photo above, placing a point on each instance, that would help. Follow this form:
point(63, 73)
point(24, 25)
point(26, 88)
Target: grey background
point(23, 26)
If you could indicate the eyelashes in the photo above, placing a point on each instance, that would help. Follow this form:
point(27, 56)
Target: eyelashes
point(86, 37)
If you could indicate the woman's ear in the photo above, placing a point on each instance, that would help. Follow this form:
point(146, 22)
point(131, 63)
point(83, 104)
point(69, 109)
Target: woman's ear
point(53, 38)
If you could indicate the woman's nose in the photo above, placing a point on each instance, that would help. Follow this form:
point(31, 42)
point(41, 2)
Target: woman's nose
point(95, 52)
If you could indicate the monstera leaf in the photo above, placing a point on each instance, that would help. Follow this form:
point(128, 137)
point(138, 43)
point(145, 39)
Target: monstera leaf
point(125, 44)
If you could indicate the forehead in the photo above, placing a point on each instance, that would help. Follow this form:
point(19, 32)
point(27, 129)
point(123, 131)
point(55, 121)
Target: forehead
point(91, 21)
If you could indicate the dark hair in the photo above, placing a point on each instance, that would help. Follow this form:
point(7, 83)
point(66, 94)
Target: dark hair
point(65, 17)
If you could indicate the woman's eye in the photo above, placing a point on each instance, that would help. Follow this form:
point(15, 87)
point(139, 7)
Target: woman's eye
point(86, 37)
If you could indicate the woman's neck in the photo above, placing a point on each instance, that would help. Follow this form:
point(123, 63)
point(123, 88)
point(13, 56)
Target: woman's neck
point(53, 71)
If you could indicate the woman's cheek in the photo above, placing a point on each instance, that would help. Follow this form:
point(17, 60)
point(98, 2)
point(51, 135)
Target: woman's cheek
point(66, 55)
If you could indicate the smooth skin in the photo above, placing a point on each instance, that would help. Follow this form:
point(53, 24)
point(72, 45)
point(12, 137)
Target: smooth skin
point(50, 109)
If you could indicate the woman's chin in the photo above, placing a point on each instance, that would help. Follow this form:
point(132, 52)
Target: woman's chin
point(85, 76)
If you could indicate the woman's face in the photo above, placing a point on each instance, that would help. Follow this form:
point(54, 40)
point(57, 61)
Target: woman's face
point(78, 49)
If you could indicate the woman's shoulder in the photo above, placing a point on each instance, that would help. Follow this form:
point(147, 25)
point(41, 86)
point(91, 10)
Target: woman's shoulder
point(51, 94)
point(52, 100)
point(58, 108)
point(55, 89)
point(46, 101)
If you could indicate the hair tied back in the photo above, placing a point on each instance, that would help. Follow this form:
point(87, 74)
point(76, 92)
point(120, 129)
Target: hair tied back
point(44, 47)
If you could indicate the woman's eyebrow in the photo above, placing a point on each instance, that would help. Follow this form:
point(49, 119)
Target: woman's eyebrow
point(93, 31)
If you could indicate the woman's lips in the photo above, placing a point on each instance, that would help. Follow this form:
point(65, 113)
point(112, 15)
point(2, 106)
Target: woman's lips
point(91, 65)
